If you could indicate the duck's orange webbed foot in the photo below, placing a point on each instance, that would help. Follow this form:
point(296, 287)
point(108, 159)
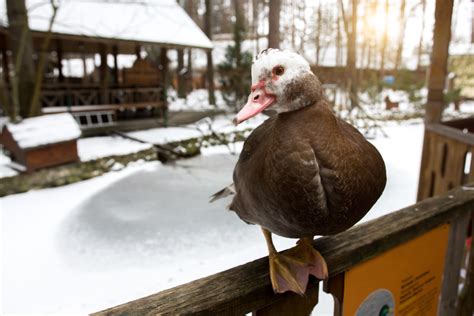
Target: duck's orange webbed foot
point(290, 270)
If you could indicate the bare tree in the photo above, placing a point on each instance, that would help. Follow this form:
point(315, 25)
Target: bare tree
point(319, 23)
point(383, 48)
point(22, 49)
point(420, 42)
point(255, 24)
point(35, 106)
point(210, 66)
point(274, 24)
point(351, 31)
point(401, 34)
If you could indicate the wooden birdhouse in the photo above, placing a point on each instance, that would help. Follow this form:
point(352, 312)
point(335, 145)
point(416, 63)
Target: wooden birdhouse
point(42, 141)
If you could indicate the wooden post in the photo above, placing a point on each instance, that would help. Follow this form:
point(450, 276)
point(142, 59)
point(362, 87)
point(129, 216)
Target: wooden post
point(5, 61)
point(466, 297)
point(452, 265)
point(439, 60)
point(59, 65)
point(180, 74)
point(104, 75)
point(84, 63)
point(116, 72)
point(164, 82)
point(335, 287)
point(137, 51)
point(437, 77)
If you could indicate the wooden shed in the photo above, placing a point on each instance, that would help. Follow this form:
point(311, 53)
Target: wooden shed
point(40, 142)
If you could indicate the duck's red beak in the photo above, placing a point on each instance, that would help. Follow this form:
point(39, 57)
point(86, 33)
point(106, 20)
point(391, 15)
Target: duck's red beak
point(258, 101)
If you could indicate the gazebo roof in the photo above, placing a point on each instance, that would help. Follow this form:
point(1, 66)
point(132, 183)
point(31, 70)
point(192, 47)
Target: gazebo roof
point(145, 22)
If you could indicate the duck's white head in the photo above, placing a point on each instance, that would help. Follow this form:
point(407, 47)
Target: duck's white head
point(279, 81)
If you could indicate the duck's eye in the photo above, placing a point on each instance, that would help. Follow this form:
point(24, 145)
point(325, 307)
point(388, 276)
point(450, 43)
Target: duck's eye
point(278, 70)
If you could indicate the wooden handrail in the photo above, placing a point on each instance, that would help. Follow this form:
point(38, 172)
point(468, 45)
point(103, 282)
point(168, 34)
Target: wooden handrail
point(247, 288)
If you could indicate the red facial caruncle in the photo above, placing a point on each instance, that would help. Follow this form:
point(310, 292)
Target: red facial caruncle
point(259, 99)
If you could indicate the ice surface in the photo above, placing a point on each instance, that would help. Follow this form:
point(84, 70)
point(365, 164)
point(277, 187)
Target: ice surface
point(101, 242)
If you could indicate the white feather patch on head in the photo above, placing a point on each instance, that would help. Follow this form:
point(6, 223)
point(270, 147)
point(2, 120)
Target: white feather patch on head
point(293, 63)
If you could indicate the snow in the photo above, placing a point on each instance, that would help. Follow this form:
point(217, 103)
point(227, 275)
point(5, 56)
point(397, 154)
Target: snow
point(98, 147)
point(5, 170)
point(157, 21)
point(148, 227)
point(43, 130)
point(197, 100)
point(206, 126)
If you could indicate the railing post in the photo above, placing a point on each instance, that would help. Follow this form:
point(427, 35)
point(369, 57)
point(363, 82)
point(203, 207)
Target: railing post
point(293, 304)
point(466, 297)
point(452, 265)
point(335, 287)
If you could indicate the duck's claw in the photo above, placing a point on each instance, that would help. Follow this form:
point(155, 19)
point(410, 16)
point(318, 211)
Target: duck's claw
point(290, 270)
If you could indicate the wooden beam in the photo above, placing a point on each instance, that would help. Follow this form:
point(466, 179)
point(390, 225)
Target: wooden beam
point(59, 55)
point(439, 60)
point(5, 59)
point(452, 264)
point(104, 75)
point(84, 63)
point(164, 67)
point(247, 288)
point(116, 71)
point(138, 50)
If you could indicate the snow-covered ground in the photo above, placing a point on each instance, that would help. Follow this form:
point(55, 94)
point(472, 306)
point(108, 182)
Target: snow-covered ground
point(102, 146)
point(196, 100)
point(101, 242)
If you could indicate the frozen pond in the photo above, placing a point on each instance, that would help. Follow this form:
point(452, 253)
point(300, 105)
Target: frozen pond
point(98, 243)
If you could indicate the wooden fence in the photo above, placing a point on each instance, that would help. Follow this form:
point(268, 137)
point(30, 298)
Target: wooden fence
point(447, 157)
point(246, 288)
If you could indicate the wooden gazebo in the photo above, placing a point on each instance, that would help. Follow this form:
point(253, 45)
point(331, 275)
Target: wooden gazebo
point(98, 33)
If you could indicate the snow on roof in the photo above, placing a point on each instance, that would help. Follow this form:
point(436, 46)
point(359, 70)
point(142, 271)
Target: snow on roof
point(154, 21)
point(43, 130)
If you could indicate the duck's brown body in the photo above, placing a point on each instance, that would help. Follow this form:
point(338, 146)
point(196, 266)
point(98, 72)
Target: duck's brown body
point(305, 173)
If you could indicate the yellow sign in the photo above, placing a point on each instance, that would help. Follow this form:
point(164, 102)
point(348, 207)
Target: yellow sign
point(405, 280)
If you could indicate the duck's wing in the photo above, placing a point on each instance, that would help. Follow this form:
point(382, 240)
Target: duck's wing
point(225, 192)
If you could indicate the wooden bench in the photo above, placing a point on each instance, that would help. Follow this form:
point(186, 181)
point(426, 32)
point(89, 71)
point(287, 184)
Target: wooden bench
point(246, 288)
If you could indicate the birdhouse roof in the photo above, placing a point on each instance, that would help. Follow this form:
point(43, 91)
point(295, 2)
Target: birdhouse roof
point(43, 130)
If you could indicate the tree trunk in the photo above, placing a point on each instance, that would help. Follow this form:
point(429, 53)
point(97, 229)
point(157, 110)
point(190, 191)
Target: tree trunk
point(420, 43)
point(439, 60)
point(352, 57)
point(274, 24)
point(401, 35)
point(318, 33)
point(255, 10)
point(338, 40)
point(22, 49)
point(210, 66)
point(383, 49)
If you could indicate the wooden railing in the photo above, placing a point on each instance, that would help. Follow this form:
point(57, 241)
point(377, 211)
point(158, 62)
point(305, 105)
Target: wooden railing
point(73, 95)
point(247, 288)
point(447, 160)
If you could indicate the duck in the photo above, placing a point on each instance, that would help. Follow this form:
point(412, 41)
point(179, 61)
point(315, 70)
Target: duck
point(303, 172)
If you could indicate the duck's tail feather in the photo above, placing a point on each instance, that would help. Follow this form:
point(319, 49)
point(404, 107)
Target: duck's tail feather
point(228, 190)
